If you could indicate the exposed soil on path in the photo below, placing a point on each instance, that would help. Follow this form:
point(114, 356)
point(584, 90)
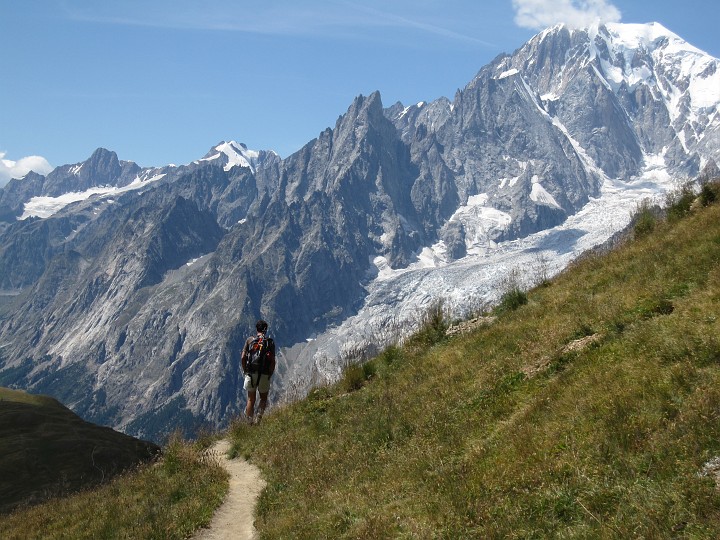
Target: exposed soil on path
point(234, 519)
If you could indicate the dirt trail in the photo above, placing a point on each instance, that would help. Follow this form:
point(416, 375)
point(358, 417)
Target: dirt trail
point(234, 519)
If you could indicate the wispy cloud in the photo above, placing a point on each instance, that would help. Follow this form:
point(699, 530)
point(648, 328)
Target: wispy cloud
point(330, 18)
point(381, 17)
point(10, 169)
point(539, 14)
point(250, 17)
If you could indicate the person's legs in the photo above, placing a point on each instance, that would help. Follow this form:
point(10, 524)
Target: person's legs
point(251, 386)
point(263, 403)
point(264, 389)
point(250, 408)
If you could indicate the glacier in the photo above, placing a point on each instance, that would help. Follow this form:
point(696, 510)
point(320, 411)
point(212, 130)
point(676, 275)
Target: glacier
point(396, 299)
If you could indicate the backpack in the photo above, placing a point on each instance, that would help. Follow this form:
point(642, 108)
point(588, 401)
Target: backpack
point(257, 354)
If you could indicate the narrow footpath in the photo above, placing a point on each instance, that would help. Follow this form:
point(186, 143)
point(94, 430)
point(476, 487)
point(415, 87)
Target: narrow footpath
point(233, 520)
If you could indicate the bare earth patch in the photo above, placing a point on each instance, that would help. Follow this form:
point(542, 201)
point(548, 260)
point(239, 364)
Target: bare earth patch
point(712, 469)
point(465, 327)
point(234, 519)
point(581, 344)
point(574, 346)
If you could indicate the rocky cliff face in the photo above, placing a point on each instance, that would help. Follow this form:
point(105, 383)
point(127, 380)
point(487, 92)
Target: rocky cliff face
point(132, 302)
point(101, 169)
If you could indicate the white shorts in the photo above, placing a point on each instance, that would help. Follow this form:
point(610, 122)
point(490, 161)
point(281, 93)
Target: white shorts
point(263, 384)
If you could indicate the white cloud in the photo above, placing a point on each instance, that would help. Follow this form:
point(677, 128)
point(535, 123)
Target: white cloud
point(17, 169)
point(540, 14)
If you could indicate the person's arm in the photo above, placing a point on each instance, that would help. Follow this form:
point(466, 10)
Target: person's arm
point(271, 357)
point(243, 357)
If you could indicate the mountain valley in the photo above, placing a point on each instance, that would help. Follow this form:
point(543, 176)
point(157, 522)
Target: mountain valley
point(127, 292)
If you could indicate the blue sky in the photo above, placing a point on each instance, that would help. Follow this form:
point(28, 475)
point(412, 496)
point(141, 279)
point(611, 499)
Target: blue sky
point(161, 81)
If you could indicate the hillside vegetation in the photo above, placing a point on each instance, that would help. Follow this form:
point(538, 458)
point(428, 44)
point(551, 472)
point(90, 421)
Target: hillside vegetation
point(100, 483)
point(588, 409)
point(48, 450)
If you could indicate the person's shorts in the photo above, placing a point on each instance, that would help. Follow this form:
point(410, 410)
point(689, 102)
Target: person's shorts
point(252, 383)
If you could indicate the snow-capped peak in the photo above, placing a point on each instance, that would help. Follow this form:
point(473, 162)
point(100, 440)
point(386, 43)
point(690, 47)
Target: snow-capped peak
point(236, 154)
point(672, 59)
point(626, 56)
point(648, 36)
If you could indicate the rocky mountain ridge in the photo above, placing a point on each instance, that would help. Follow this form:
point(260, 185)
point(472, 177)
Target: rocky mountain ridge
point(131, 303)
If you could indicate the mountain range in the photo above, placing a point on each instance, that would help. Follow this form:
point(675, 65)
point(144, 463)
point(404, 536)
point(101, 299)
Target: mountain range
point(127, 293)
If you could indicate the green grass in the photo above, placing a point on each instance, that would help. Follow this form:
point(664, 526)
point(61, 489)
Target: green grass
point(17, 396)
point(170, 499)
point(509, 433)
point(47, 450)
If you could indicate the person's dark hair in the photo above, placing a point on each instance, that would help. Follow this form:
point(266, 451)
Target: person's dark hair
point(261, 326)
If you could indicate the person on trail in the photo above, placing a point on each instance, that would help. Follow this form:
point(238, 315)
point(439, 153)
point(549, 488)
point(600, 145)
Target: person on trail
point(258, 365)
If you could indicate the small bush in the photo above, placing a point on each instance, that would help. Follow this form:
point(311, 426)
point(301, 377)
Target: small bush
point(710, 193)
point(355, 375)
point(391, 355)
point(678, 202)
point(541, 271)
point(644, 219)
point(353, 378)
point(433, 327)
point(513, 295)
point(513, 299)
point(653, 307)
point(583, 330)
point(369, 370)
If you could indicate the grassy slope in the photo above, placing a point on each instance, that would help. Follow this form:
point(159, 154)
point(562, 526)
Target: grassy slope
point(9, 395)
point(168, 500)
point(504, 433)
point(48, 451)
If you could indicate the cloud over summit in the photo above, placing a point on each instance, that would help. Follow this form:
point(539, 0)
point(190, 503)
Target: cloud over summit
point(540, 14)
point(17, 169)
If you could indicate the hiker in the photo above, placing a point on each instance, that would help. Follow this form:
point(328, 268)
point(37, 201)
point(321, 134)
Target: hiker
point(258, 365)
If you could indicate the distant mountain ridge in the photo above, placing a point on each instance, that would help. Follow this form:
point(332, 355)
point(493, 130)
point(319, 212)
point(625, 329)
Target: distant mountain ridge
point(132, 302)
